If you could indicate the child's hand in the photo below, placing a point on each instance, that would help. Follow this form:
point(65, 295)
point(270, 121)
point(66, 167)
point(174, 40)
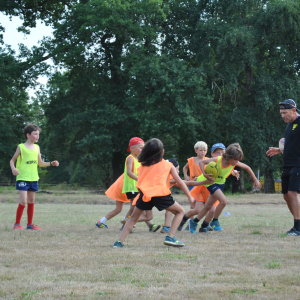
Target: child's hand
point(210, 180)
point(192, 200)
point(187, 178)
point(54, 163)
point(15, 172)
point(257, 184)
point(209, 177)
point(236, 174)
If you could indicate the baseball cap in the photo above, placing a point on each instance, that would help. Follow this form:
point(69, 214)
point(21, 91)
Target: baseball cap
point(216, 146)
point(288, 104)
point(173, 161)
point(135, 141)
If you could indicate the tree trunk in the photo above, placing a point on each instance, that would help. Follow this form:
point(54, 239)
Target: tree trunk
point(235, 184)
point(269, 186)
point(117, 165)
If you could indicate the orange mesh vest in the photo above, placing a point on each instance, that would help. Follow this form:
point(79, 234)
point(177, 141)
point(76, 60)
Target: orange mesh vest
point(153, 181)
point(115, 190)
point(195, 170)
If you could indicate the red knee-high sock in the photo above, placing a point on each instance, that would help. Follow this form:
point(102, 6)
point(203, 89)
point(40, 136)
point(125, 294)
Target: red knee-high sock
point(30, 211)
point(19, 213)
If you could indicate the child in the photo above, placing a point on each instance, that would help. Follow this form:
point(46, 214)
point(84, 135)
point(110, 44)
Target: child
point(28, 158)
point(153, 180)
point(124, 188)
point(226, 164)
point(201, 194)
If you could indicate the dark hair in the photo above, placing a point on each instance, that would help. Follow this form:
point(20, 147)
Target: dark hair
point(174, 161)
point(152, 152)
point(234, 151)
point(31, 127)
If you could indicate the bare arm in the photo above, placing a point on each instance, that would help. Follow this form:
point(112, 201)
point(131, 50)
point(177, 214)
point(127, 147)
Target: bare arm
point(181, 184)
point(249, 170)
point(273, 151)
point(204, 162)
point(43, 164)
point(130, 168)
point(197, 183)
point(14, 170)
point(185, 168)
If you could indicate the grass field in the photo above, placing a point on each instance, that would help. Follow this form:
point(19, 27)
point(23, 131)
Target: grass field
point(71, 258)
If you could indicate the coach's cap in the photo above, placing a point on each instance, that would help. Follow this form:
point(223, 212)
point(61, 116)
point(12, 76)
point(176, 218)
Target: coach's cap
point(217, 146)
point(135, 141)
point(173, 161)
point(288, 104)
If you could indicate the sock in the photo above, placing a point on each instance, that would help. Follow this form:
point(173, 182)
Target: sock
point(196, 220)
point(185, 218)
point(19, 213)
point(204, 224)
point(30, 211)
point(215, 219)
point(103, 220)
point(297, 224)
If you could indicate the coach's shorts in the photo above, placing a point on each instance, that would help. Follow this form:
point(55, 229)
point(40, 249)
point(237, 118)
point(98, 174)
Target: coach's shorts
point(212, 188)
point(131, 195)
point(290, 179)
point(31, 186)
point(160, 203)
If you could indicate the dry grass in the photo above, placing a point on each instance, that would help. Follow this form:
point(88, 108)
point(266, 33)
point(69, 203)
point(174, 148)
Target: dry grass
point(71, 258)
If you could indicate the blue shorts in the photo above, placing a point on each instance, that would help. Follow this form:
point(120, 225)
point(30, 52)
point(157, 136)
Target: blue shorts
point(212, 188)
point(31, 186)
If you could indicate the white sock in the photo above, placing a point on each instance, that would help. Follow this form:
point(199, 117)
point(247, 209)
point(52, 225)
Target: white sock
point(103, 220)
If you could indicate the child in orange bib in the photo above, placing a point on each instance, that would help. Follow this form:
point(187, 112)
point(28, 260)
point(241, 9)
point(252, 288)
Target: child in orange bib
point(153, 180)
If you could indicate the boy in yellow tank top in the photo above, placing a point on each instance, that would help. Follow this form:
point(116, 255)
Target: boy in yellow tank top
point(28, 158)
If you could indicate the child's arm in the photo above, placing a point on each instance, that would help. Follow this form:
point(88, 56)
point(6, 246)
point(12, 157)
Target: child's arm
point(43, 164)
point(130, 168)
point(185, 168)
point(12, 162)
point(210, 180)
point(249, 170)
point(236, 174)
point(205, 162)
point(181, 184)
point(273, 151)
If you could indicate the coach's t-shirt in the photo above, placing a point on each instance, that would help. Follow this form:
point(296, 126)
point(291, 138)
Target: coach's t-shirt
point(291, 153)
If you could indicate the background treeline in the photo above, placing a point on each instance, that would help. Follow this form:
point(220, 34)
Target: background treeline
point(181, 71)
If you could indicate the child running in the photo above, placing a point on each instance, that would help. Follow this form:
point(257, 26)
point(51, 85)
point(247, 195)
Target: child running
point(153, 179)
point(226, 164)
point(28, 158)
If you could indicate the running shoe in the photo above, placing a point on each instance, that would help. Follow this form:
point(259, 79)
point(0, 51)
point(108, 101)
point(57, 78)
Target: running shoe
point(172, 241)
point(293, 231)
point(187, 228)
point(193, 226)
point(165, 229)
point(203, 230)
point(18, 227)
point(101, 225)
point(209, 228)
point(216, 225)
point(33, 227)
point(181, 225)
point(118, 244)
point(154, 227)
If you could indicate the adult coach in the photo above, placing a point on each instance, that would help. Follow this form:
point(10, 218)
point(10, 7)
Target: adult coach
point(291, 161)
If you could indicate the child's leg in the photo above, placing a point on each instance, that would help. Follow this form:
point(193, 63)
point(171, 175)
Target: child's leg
point(146, 216)
point(168, 218)
point(220, 208)
point(30, 207)
point(178, 212)
point(21, 207)
point(130, 211)
point(195, 210)
point(113, 213)
point(210, 214)
point(130, 223)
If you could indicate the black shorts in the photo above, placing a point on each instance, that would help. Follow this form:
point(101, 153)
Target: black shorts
point(160, 203)
point(131, 195)
point(290, 179)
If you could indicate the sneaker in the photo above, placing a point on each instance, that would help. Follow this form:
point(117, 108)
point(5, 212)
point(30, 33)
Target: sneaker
point(204, 230)
point(118, 244)
point(165, 229)
point(193, 226)
point(33, 227)
point(172, 241)
point(101, 225)
point(187, 228)
point(209, 228)
point(216, 225)
point(181, 225)
point(18, 227)
point(293, 231)
point(154, 227)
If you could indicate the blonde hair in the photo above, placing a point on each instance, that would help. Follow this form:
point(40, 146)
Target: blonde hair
point(234, 151)
point(200, 145)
